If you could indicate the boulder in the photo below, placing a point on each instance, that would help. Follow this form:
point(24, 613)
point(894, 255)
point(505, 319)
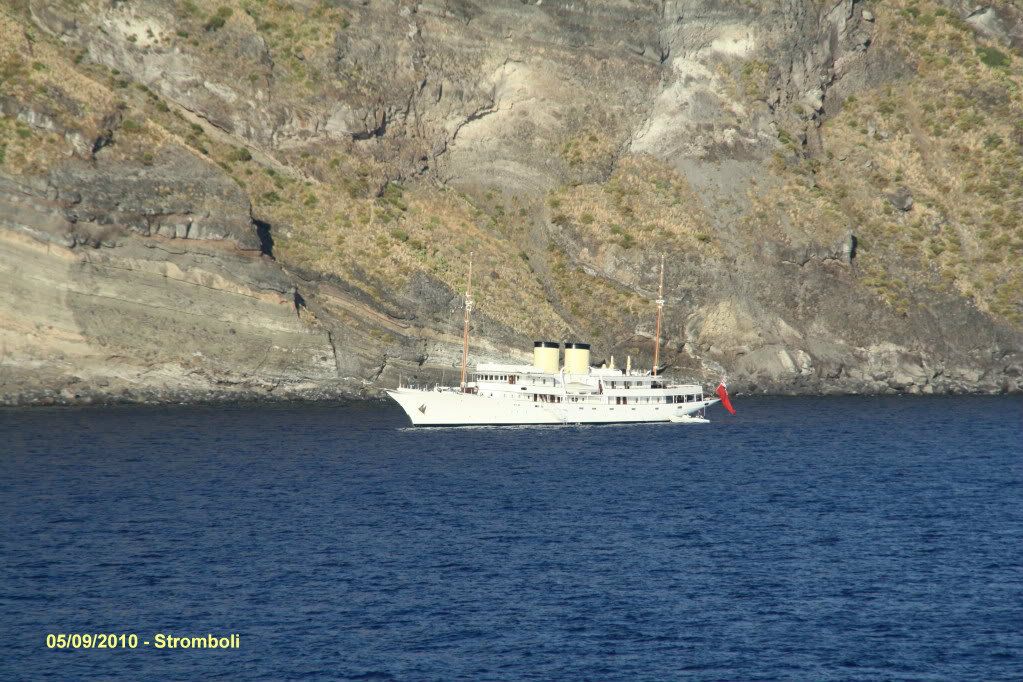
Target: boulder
point(901, 199)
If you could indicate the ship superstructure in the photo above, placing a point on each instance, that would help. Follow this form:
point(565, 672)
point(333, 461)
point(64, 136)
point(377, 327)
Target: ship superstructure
point(555, 390)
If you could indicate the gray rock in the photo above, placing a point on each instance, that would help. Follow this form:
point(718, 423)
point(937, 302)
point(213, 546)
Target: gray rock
point(901, 199)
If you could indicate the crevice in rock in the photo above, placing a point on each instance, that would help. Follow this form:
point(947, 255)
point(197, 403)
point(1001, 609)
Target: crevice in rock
point(333, 349)
point(266, 240)
point(368, 134)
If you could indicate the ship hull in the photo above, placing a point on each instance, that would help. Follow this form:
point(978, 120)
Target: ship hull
point(452, 408)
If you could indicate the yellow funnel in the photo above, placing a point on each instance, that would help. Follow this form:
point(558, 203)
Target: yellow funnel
point(546, 355)
point(577, 358)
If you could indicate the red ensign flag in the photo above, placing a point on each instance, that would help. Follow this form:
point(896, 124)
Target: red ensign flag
point(723, 394)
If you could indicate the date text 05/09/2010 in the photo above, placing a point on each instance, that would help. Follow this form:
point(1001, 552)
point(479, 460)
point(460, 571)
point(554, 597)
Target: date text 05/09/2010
point(160, 640)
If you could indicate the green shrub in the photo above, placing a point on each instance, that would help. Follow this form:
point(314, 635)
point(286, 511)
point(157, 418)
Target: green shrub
point(130, 126)
point(271, 197)
point(392, 195)
point(399, 234)
point(240, 154)
point(217, 21)
point(586, 219)
point(993, 57)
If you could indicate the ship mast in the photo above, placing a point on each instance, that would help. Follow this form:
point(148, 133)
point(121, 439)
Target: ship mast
point(465, 331)
point(660, 308)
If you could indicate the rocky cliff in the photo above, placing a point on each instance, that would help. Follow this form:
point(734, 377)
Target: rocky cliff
point(269, 199)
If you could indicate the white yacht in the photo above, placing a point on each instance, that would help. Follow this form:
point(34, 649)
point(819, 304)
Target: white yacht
point(550, 391)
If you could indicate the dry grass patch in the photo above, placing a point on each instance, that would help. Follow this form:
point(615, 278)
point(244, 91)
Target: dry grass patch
point(644, 204)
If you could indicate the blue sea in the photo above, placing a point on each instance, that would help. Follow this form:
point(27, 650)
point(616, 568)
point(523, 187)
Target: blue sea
point(803, 539)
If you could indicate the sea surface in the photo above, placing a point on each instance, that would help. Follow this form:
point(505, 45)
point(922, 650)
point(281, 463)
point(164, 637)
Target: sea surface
point(803, 538)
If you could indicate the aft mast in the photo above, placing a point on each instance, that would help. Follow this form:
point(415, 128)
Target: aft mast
point(660, 308)
point(465, 331)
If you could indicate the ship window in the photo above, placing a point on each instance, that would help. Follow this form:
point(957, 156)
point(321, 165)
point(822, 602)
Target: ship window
point(625, 401)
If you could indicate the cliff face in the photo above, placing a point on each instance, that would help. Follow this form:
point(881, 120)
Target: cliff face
point(270, 199)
